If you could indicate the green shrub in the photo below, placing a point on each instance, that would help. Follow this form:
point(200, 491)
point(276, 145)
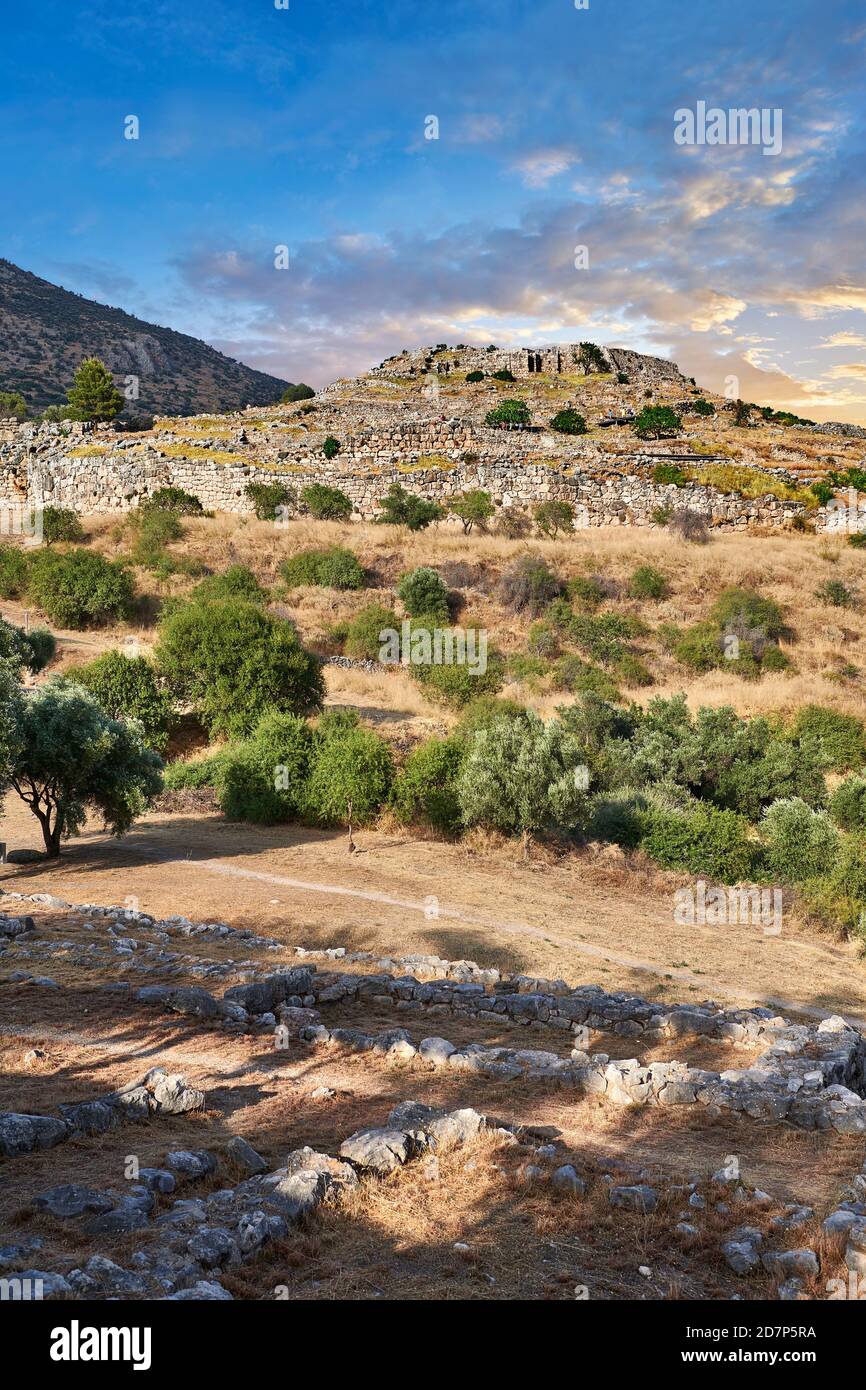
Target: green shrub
point(617, 821)
point(236, 582)
point(474, 507)
point(127, 688)
point(574, 674)
point(13, 571)
point(669, 473)
point(647, 582)
point(423, 592)
point(848, 803)
point(22, 650)
point(543, 640)
point(326, 503)
point(425, 790)
point(351, 777)
point(740, 609)
point(839, 740)
point(602, 636)
point(172, 499)
point(334, 568)
point(195, 774)
point(657, 422)
point(363, 642)
point(331, 447)
point(267, 497)
point(474, 376)
point(632, 672)
point(836, 594)
point(401, 508)
point(79, 587)
point(504, 374)
point(703, 407)
point(42, 646)
point(554, 516)
point(703, 841)
point(61, 524)
point(457, 683)
point(265, 779)
point(801, 843)
point(297, 392)
point(521, 776)
point(528, 585)
point(154, 530)
point(232, 661)
point(568, 422)
point(485, 710)
point(586, 590)
point(13, 406)
point(509, 413)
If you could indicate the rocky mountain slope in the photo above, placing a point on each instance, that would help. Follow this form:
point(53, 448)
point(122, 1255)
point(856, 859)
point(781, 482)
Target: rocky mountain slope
point(46, 331)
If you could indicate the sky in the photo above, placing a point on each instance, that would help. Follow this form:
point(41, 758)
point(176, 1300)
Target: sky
point(308, 127)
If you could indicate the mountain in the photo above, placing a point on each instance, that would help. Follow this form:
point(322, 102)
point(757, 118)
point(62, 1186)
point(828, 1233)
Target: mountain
point(46, 331)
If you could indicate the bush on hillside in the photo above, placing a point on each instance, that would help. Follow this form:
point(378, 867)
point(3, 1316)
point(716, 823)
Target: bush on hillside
point(326, 503)
point(838, 740)
point(528, 585)
point(553, 517)
point(401, 508)
point(79, 587)
point(424, 593)
point(509, 413)
point(703, 841)
point(61, 524)
point(425, 790)
point(333, 568)
point(236, 582)
point(848, 804)
point(801, 843)
point(268, 497)
point(647, 583)
point(127, 688)
point(351, 777)
point(363, 641)
point(172, 499)
point(13, 571)
point(522, 776)
point(568, 422)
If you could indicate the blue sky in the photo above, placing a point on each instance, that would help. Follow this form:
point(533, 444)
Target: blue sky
point(305, 127)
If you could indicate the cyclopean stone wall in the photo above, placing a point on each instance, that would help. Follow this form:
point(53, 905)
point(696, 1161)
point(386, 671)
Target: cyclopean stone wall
point(434, 458)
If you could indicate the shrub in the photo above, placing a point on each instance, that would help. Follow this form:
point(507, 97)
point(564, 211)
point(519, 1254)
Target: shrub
point(331, 447)
point(574, 674)
point(334, 568)
point(232, 661)
point(848, 804)
point(13, 571)
point(513, 524)
point(543, 640)
point(61, 524)
point(744, 610)
point(699, 647)
point(504, 374)
point(586, 590)
point(836, 594)
point(473, 508)
point(689, 525)
point(568, 422)
point(236, 582)
point(351, 777)
point(669, 473)
point(21, 650)
point(265, 779)
point(554, 516)
point(703, 841)
point(519, 775)
point(647, 582)
point(857, 539)
point(474, 376)
point(426, 788)
point(72, 756)
point(528, 585)
point(41, 646)
point(508, 413)
point(326, 503)
point(602, 637)
point(402, 508)
point(172, 499)
point(154, 530)
point(838, 740)
point(657, 422)
point(127, 688)
point(423, 592)
point(458, 683)
point(267, 497)
point(93, 395)
point(801, 843)
point(298, 392)
point(13, 406)
point(363, 642)
point(79, 587)
point(194, 774)
point(484, 711)
point(632, 672)
point(703, 407)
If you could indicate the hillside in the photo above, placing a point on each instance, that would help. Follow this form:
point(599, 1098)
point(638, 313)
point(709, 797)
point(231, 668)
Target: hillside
point(46, 331)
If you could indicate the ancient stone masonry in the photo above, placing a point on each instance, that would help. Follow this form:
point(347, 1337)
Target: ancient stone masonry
point(561, 358)
point(437, 459)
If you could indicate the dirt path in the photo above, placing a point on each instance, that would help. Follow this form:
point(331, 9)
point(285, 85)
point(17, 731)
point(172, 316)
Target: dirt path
point(569, 918)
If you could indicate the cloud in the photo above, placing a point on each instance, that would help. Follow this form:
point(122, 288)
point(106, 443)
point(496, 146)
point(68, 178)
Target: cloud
point(540, 166)
point(842, 340)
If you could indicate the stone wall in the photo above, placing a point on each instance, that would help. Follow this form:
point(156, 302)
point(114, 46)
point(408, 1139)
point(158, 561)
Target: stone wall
point(434, 458)
point(556, 360)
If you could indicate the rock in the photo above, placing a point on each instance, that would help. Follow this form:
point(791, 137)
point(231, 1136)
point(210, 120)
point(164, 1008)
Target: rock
point(204, 1290)
point(435, 1050)
point(839, 1222)
point(245, 1155)
point(158, 1180)
point(91, 1117)
point(740, 1256)
point(14, 1254)
point(173, 1095)
point(639, 1197)
point(566, 1180)
point(72, 1199)
point(786, 1263)
point(38, 1283)
point(212, 1247)
point(378, 1150)
point(855, 1254)
point(192, 1164)
point(115, 1223)
point(685, 1228)
point(791, 1291)
point(21, 1134)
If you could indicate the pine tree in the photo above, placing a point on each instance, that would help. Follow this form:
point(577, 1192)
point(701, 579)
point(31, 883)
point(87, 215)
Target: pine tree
point(93, 395)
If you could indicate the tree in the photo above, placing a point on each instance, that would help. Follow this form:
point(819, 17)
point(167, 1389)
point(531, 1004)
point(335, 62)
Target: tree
point(509, 413)
point(591, 358)
point(299, 392)
point(232, 661)
point(127, 688)
point(72, 756)
point(93, 395)
point(402, 508)
point(79, 587)
point(26, 650)
point(522, 776)
point(474, 507)
point(554, 516)
point(568, 422)
point(351, 776)
point(424, 594)
point(267, 497)
point(13, 405)
point(657, 422)
point(326, 503)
